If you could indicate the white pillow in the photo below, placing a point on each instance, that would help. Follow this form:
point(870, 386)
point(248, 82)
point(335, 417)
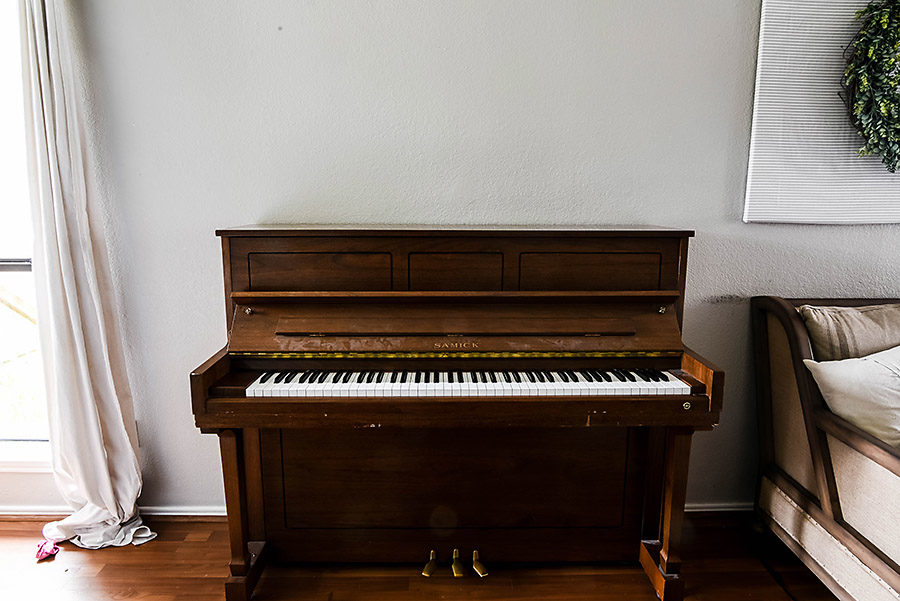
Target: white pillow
point(864, 391)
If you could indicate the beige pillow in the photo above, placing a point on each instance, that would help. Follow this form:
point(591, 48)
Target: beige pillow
point(864, 391)
point(845, 332)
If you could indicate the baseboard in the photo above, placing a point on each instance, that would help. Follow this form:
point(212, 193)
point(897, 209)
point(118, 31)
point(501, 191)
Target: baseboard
point(176, 510)
point(55, 512)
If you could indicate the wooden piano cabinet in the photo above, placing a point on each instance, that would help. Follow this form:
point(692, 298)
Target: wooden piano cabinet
point(525, 480)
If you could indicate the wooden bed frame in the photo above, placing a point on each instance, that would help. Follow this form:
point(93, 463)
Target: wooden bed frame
point(821, 501)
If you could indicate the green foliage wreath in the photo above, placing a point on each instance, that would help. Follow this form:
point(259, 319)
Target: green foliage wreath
point(871, 79)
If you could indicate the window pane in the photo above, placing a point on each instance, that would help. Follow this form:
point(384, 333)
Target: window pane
point(15, 225)
point(23, 409)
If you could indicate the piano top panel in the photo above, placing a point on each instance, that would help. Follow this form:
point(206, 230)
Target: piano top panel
point(467, 230)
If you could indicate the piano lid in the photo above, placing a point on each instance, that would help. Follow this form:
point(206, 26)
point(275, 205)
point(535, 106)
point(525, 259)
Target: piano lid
point(447, 324)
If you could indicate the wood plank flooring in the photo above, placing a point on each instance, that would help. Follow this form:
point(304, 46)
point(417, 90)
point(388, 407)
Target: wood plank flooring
point(725, 560)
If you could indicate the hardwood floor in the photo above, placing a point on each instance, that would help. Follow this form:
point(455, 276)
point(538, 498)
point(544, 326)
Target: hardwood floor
point(725, 560)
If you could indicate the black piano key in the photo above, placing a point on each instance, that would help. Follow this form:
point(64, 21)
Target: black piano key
point(394, 377)
point(630, 376)
point(587, 375)
point(550, 376)
point(563, 376)
point(643, 374)
point(638, 377)
point(379, 377)
point(267, 375)
point(370, 376)
point(507, 377)
point(450, 377)
point(517, 377)
point(459, 377)
point(403, 377)
point(540, 376)
point(492, 376)
point(475, 377)
point(346, 378)
point(427, 377)
point(435, 377)
point(279, 377)
point(418, 377)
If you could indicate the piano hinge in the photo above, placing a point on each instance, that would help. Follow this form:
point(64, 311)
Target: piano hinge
point(455, 355)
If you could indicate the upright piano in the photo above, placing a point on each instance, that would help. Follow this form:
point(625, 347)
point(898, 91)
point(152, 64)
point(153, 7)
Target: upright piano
point(387, 392)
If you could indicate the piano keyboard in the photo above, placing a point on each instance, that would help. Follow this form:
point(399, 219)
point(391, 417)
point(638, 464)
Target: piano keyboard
point(593, 382)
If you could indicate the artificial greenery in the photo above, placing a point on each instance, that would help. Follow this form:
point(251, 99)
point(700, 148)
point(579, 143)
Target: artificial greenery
point(871, 79)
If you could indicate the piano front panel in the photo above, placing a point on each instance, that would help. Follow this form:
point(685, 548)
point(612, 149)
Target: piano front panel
point(320, 270)
point(589, 271)
point(454, 260)
point(517, 495)
point(455, 271)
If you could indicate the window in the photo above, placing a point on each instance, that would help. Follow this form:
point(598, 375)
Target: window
point(23, 411)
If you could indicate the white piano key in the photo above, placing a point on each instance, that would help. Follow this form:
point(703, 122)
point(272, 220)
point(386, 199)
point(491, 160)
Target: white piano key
point(253, 389)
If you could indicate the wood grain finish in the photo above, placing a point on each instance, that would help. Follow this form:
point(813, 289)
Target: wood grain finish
point(589, 271)
point(410, 488)
point(319, 271)
point(455, 271)
point(725, 560)
point(523, 479)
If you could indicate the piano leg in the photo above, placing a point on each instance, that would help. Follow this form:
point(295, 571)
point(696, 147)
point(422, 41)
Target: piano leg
point(661, 558)
point(247, 557)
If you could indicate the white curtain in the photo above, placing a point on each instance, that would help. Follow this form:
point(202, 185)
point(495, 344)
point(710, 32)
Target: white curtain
point(92, 430)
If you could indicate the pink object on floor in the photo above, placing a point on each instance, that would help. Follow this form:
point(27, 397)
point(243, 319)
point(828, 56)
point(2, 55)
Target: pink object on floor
point(46, 549)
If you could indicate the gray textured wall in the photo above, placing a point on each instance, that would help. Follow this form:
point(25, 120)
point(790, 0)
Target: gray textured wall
point(211, 114)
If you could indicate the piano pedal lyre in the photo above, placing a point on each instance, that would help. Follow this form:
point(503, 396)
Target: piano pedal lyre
point(457, 566)
point(477, 565)
point(430, 567)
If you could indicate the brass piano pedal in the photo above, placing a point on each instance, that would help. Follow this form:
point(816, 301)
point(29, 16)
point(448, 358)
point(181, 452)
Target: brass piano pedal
point(429, 568)
point(477, 565)
point(457, 567)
